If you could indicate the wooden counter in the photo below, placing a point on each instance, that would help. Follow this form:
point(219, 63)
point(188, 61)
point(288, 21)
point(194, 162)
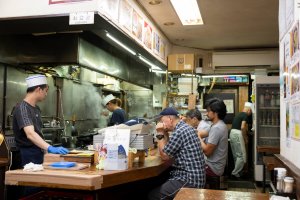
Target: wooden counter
point(87, 179)
point(195, 194)
point(268, 149)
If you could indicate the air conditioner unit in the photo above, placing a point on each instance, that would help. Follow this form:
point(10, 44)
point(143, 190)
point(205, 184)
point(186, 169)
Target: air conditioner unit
point(245, 58)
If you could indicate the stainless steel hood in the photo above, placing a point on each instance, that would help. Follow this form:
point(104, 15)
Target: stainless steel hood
point(51, 41)
point(73, 49)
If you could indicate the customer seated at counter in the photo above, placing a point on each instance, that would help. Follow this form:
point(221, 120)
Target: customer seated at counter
point(183, 149)
point(194, 119)
point(216, 146)
point(113, 104)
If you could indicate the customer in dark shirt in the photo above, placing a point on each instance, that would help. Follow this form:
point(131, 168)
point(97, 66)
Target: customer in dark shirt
point(183, 149)
point(237, 143)
point(114, 104)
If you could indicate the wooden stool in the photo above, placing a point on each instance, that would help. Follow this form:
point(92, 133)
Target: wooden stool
point(213, 182)
point(131, 156)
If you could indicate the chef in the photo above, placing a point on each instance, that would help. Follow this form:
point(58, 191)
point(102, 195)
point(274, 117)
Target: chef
point(113, 104)
point(27, 123)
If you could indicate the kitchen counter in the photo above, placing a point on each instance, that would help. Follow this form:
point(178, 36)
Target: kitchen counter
point(87, 179)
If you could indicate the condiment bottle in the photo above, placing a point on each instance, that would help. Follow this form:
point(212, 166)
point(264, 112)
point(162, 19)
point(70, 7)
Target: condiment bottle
point(288, 184)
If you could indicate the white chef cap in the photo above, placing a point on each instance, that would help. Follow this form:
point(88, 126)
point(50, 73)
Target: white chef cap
point(36, 80)
point(248, 104)
point(107, 99)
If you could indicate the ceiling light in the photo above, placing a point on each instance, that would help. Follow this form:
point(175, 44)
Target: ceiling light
point(222, 76)
point(169, 23)
point(188, 12)
point(154, 2)
point(121, 44)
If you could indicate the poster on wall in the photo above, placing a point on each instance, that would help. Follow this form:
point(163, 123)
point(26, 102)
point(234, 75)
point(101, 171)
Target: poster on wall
point(229, 105)
point(147, 35)
point(295, 81)
point(125, 14)
point(295, 120)
point(162, 49)
point(156, 43)
point(109, 8)
point(294, 42)
point(287, 124)
point(286, 63)
point(289, 13)
point(137, 25)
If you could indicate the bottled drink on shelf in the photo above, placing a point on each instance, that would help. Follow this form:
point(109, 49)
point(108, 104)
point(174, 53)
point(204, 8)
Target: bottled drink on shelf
point(267, 98)
point(272, 99)
point(262, 117)
point(269, 117)
point(261, 100)
point(277, 99)
point(274, 118)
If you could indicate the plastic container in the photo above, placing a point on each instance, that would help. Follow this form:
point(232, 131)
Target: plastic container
point(279, 185)
point(288, 185)
point(63, 164)
point(281, 173)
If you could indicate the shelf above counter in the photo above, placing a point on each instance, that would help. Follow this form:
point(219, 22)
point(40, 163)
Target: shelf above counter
point(269, 108)
point(49, 129)
point(270, 138)
point(269, 126)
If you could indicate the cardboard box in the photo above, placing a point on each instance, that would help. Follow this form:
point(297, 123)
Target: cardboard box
point(139, 129)
point(181, 62)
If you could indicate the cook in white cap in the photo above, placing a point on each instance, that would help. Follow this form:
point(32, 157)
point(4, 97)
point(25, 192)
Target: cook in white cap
point(238, 138)
point(113, 104)
point(27, 123)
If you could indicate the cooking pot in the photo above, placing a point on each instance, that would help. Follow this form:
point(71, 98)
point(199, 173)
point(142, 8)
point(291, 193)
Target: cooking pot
point(85, 139)
point(68, 141)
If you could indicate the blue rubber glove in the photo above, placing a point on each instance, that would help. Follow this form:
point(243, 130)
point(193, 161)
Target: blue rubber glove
point(57, 150)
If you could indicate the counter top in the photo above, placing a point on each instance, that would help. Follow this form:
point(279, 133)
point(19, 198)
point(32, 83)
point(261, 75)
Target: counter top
point(194, 194)
point(267, 149)
point(4, 162)
point(89, 178)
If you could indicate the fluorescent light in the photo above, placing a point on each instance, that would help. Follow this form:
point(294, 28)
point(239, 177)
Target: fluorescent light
point(221, 76)
point(188, 12)
point(159, 71)
point(187, 74)
point(153, 67)
point(121, 44)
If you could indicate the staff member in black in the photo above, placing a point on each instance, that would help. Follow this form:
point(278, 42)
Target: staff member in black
point(27, 123)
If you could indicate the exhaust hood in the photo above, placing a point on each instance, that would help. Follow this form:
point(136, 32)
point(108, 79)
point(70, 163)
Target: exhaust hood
point(74, 49)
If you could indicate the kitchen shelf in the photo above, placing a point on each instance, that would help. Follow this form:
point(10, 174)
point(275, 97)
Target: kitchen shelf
point(270, 138)
point(48, 129)
point(269, 108)
point(269, 126)
point(110, 91)
point(178, 95)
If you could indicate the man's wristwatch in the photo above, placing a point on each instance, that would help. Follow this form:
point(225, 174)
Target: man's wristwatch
point(160, 136)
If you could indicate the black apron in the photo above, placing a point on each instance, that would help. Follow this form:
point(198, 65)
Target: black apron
point(32, 154)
